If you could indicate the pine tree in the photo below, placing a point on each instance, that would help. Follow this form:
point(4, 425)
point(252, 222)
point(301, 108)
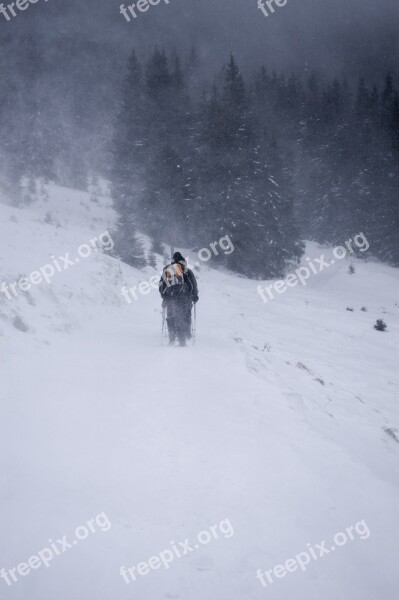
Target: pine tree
point(128, 169)
point(129, 142)
point(387, 100)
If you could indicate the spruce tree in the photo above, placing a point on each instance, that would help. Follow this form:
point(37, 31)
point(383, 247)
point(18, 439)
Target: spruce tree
point(128, 163)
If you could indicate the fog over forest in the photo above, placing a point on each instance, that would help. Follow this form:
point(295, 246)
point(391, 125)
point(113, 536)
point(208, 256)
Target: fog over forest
point(309, 70)
point(337, 36)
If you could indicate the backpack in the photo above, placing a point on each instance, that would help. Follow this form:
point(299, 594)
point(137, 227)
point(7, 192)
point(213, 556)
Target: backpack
point(173, 276)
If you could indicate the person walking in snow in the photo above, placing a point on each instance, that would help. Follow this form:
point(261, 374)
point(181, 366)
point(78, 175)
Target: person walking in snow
point(179, 290)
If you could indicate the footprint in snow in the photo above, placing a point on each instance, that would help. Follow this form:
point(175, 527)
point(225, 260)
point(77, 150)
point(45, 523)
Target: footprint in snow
point(393, 433)
point(203, 563)
point(304, 368)
point(295, 401)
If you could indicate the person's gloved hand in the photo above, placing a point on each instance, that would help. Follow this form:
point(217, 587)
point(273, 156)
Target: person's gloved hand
point(195, 299)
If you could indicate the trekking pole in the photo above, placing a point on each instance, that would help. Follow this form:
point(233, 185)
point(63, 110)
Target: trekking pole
point(194, 326)
point(163, 325)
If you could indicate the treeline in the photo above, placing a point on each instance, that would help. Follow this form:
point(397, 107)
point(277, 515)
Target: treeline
point(55, 113)
point(269, 161)
point(188, 170)
point(346, 169)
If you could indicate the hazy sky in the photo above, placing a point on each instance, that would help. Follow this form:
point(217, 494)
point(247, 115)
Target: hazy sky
point(359, 36)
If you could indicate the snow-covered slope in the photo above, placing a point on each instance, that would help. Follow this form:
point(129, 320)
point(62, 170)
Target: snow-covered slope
point(281, 419)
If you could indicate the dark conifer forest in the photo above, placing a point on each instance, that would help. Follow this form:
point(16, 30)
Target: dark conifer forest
point(268, 158)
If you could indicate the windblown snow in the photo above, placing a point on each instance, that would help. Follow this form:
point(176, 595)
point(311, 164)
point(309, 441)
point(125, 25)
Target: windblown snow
point(282, 419)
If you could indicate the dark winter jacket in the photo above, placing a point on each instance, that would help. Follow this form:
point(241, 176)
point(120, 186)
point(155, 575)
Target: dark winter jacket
point(187, 291)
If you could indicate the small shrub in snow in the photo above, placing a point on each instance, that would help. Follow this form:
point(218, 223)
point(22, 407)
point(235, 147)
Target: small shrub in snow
point(19, 324)
point(380, 325)
point(48, 218)
point(351, 270)
point(363, 309)
point(350, 309)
